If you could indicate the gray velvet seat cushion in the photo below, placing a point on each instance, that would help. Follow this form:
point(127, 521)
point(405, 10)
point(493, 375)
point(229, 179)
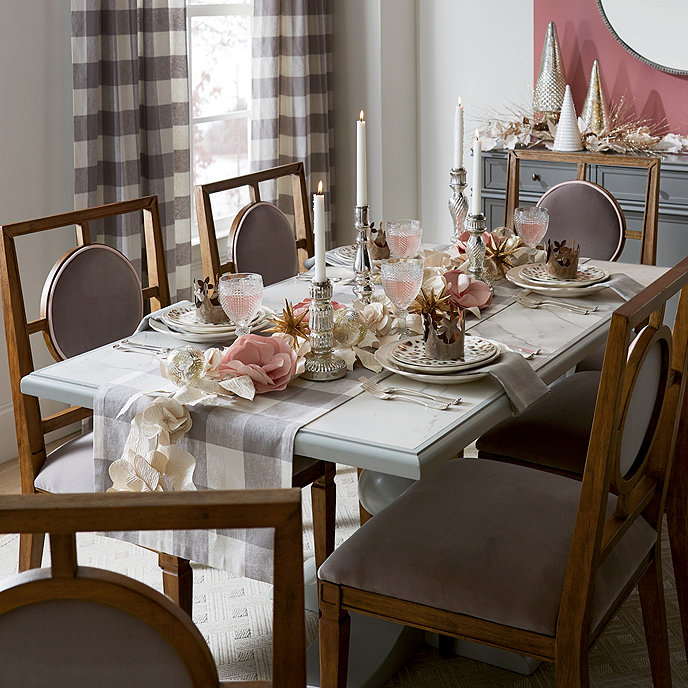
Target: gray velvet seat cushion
point(82, 644)
point(482, 538)
point(69, 468)
point(536, 436)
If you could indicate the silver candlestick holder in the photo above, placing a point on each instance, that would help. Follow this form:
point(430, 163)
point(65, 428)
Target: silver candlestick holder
point(363, 288)
point(321, 363)
point(475, 249)
point(458, 204)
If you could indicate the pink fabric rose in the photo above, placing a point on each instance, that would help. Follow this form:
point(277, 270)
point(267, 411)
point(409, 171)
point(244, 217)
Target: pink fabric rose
point(269, 361)
point(466, 292)
point(304, 307)
point(462, 242)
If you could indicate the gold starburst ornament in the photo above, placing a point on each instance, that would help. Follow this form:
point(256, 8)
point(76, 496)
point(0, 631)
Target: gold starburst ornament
point(288, 323)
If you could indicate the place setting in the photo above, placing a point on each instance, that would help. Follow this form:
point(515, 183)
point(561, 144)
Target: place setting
point(217, 315)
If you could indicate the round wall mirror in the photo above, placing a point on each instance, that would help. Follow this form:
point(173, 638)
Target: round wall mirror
point(654, 32)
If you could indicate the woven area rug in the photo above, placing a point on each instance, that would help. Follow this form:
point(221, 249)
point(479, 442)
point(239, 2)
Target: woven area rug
point(234, 615)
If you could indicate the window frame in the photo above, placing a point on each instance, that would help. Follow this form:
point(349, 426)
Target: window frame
point(216, 9)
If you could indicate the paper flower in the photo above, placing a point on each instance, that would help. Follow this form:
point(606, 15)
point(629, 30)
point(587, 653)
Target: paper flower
point(170, 468)
point(465, 292)
point(165, 420)
point(268, 361)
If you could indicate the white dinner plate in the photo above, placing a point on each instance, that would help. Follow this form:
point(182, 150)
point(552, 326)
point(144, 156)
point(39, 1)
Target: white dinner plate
point(183, 319)
point(344, 255)
point(409, 354)
point(536, 273)
point(384, 357)
point(192, 337)
point(514, 276)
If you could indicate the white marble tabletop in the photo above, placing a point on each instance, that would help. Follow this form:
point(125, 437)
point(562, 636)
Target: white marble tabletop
point(392, 437)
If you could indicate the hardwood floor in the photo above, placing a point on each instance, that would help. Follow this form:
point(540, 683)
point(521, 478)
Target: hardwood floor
point(9, 477)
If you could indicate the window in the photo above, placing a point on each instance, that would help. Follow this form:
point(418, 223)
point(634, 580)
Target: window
point(219, 53)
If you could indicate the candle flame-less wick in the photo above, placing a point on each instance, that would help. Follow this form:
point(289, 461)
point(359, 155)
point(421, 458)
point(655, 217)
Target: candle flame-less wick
point(320, 187)
point(360, 117)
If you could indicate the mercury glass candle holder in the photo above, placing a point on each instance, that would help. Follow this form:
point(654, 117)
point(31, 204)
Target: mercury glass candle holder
point(321, 362)
point(475, 249)
point(363, 287)
point(458, 203)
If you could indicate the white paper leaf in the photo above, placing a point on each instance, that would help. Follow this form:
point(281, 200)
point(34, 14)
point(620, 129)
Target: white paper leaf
point(242, 386)
point(368, 359)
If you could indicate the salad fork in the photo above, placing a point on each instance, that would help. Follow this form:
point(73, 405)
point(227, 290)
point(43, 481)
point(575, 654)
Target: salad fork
point(366, 382)
point(406, 395)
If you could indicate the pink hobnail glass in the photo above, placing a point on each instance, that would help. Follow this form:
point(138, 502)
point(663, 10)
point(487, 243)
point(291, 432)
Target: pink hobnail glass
point(240, 297)
point(530, 224)
point(401, 280)
point(403, 237)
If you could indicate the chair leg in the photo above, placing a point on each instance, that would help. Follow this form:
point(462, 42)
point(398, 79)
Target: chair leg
point(571, 667)
point(334, 638)
point(30, 550)
point(177, 580)
point(324, 500)
point(677, 522)
point(651, 589)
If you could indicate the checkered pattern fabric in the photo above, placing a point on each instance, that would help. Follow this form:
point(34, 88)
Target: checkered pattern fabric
point(131, 121)
point(292, 103)
point(238, 444)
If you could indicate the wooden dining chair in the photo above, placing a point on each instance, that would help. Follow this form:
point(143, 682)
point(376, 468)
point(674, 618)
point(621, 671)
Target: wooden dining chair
point(92, 296)
point(527, 560)
point(261, 238)
point(72, 626)
point(583, 210)
point(568, 413)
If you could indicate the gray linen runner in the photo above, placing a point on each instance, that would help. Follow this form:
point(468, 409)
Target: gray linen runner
point(239, 444)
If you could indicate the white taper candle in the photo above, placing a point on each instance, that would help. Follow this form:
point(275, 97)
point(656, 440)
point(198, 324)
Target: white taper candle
point(458, 135)
point(319, 234)
point(361, 163)
point(477, 175)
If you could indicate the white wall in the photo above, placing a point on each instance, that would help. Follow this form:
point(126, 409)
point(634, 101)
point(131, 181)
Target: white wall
point(36, 160)
point(405, 62)
point(481, 51)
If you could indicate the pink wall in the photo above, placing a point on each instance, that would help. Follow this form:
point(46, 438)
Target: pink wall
point(583, 36)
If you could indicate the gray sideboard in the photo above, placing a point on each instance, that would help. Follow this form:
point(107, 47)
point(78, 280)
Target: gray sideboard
point(627, 185)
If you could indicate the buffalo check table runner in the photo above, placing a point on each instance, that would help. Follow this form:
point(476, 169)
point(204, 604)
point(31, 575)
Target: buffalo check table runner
point(236, 444)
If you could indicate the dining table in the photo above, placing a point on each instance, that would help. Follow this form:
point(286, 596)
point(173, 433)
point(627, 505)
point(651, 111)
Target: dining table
point(396, 440)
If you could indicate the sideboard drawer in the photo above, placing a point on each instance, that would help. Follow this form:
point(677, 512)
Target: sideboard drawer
point(534, 176)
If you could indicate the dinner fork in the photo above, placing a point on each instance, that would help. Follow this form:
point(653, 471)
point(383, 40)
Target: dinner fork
point(381, 394)
point(368, 384)
point(140, 348)
point(530, 301)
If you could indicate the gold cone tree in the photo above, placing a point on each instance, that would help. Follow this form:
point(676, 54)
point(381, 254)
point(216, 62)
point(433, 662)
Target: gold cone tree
point(595, 113)
point(550, 86)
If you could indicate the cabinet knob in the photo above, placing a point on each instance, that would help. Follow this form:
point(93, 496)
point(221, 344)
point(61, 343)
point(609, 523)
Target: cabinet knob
point(536, 177)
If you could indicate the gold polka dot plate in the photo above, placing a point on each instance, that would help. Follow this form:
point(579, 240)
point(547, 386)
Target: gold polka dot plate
point(409, 354)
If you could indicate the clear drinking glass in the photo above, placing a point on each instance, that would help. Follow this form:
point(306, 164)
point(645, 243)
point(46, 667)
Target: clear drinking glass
point(403, 237)
point(240, 297)
point(531, 225)
point(401, 280)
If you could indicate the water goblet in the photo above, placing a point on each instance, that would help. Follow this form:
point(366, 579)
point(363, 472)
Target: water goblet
point(530, 224)
point(401, 280)
point(403, 237)
point(240, 297)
